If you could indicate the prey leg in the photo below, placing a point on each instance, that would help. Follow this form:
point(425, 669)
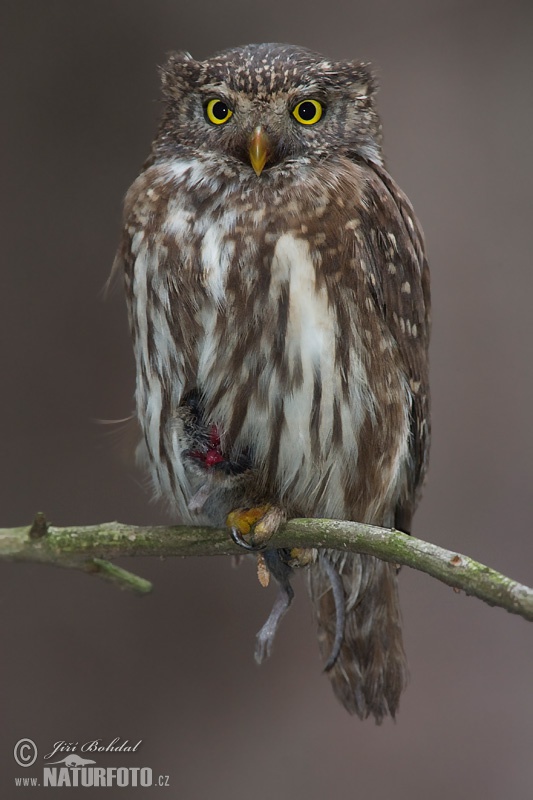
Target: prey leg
point(261, 522)
point(278, 567)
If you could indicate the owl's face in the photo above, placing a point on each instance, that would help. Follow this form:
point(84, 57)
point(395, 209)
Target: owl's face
point(265, 108)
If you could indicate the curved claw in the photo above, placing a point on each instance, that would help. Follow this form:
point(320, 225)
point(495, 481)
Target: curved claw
point(237, 537)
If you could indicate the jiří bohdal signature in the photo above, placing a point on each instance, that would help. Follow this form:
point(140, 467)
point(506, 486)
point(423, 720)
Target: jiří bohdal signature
point(93, 746)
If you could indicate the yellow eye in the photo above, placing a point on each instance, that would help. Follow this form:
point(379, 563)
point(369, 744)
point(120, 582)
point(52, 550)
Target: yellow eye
point(218, 112)
point(308, 112)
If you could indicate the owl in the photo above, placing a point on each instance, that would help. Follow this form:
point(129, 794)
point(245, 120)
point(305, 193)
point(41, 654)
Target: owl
point(278, 297)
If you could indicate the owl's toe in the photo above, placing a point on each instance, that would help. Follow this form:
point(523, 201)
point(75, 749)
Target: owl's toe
point(258, 522)
point(238, 538)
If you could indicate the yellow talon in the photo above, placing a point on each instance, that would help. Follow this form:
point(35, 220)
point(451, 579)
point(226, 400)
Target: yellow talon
point(245, 518)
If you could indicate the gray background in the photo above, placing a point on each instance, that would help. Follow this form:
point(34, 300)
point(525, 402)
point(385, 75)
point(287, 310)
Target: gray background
point(81, 660)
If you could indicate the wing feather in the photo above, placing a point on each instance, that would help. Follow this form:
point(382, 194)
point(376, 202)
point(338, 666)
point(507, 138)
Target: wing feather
point(398, 280)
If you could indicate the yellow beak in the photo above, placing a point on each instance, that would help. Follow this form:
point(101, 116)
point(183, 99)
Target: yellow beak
point(259, 149)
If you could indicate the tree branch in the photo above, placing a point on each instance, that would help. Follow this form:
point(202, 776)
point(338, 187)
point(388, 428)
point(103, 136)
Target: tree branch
point(89, 548)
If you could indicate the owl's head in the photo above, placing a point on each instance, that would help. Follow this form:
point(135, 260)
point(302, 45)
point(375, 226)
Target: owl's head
point(265, 107)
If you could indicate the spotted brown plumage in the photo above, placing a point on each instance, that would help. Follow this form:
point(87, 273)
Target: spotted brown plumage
point(278, 295)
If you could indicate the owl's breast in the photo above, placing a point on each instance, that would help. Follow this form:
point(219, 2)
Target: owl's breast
point(278, 335)
point(286, 372)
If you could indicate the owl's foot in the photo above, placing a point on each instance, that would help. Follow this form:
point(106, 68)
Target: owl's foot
point(302, 556)
point(261, 522)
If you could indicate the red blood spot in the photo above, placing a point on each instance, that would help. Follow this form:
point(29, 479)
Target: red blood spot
point(213, 457)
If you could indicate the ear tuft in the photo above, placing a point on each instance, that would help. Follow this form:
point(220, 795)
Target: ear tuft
point(178, 74)
point(355, 78)
point(363, 85)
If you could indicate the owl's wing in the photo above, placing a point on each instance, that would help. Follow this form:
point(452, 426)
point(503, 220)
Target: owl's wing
point(398, 281)
point(165, 329)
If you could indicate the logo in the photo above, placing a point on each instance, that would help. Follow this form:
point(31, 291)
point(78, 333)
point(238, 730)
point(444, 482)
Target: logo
point(74, 769)
point(74, 761)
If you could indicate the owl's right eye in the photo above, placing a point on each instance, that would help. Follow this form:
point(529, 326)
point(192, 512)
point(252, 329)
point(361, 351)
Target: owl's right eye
point(218, 112)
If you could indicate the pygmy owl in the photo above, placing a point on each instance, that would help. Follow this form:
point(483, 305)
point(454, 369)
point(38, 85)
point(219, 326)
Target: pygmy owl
point(278, 297)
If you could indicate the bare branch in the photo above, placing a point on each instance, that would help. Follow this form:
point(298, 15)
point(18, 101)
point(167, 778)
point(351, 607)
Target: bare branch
point(89, 548)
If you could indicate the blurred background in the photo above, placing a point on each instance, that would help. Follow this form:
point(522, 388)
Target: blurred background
point(82, 660)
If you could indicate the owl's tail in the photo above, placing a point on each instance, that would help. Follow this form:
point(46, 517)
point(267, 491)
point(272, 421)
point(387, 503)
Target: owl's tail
point(370, 671)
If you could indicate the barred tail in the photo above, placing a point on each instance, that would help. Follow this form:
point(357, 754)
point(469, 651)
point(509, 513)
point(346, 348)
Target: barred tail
point(370, 671)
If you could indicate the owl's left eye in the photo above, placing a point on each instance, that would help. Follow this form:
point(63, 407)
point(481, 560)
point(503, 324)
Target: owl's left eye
point(308, 112)
point(218, 112)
